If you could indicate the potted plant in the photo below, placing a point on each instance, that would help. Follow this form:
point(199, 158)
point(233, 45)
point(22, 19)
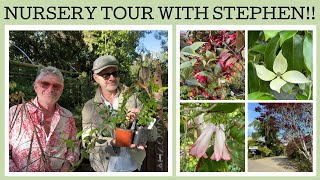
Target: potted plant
point(117, 121)
point(145, 120)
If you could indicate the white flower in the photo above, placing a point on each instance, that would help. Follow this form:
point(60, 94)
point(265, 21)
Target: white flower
point(220, 148)
point(279, 76)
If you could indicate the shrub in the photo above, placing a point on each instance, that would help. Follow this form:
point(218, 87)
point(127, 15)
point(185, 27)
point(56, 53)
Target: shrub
point(277, 149)
point(265, 151)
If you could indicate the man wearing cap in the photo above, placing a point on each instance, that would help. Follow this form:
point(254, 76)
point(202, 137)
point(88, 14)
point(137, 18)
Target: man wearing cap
point(103, 157)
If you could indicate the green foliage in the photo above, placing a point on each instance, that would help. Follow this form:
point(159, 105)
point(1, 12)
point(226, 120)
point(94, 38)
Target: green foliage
point(261, 96)
point(237, 153)
point(63, 49)
point(293, 153)
point(212, 65)
point(116, 118)
point(277, 149)
point(208, 165)
point(120, 44)
point(296, 47)
point(265, 151)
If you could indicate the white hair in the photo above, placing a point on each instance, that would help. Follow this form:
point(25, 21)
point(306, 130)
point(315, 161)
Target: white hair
point(50, 70)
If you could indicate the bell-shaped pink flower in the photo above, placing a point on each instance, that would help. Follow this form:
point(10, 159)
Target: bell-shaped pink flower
point(220, 148)
point(199, 148)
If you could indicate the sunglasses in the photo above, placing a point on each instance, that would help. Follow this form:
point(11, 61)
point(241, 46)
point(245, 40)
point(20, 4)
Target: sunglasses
point(107, 75)
point(46, 85)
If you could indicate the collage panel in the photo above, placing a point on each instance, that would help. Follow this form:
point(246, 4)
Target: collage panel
point(280, 65)
point(212, 137)
point(280, 137)
point(212, 64)
point(99, 112)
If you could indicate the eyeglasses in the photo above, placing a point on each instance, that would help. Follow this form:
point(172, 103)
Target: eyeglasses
point(46, 85)
point(107, 75)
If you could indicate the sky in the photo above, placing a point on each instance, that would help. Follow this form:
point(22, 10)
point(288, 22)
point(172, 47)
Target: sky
point(151, 43)
point(252, 115)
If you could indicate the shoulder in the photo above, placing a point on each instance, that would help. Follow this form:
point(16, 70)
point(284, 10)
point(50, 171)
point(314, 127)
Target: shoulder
point(65, 112)
point(16, 109)
point(90, 104)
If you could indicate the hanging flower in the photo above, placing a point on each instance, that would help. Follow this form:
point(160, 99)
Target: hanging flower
point(220, 149)
point(199, 148)
point(279, 76)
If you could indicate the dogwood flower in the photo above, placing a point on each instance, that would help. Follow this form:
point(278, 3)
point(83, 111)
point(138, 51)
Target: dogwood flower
point(199, 148)
point(279, 76)
point(220, 148)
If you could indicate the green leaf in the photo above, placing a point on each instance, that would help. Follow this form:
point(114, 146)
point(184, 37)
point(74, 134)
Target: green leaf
point(292, 50)
point(70, 144)
point(101, 141)
point(79, 134)
point(270, 34)
point(260, 96)
point(260, 48)
point(197, 45)
point(253, 79)
point(226, 107)
point(209, 55)
point(205, 73)
point(188, 51)
point(280, 64)
point(295, 77)
point(301, 97)
point(192, 82)
point(287, 87)
point(186, 64)
point(302, 86)
point(208, 165)
point(271, 51)
point(237, 153)
point(105, 133)
point(238, 133)
point(276, 84)
point(264, 74)
point(253, 37)
point(284, 35)
point(217, 69)
point(308, 51)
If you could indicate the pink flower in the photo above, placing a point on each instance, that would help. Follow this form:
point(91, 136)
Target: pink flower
point(190, 41)
point(199, 148)
point(202, 79)
point(220, 148)
point(206, 94)
point(196, 72)
point(208, 46)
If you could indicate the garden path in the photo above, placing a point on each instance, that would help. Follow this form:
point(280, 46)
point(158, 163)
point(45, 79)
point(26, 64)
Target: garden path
point(271, 164)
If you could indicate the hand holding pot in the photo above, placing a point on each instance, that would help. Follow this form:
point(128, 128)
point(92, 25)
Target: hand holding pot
point(113, 143)
point(138, 147)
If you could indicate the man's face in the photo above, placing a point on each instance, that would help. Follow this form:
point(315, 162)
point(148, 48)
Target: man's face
point(49, 89)
point(108, 79)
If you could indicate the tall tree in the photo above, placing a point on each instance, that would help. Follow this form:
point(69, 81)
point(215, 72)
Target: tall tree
point(121, 44)
point(294, 121)
point(65, 50)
